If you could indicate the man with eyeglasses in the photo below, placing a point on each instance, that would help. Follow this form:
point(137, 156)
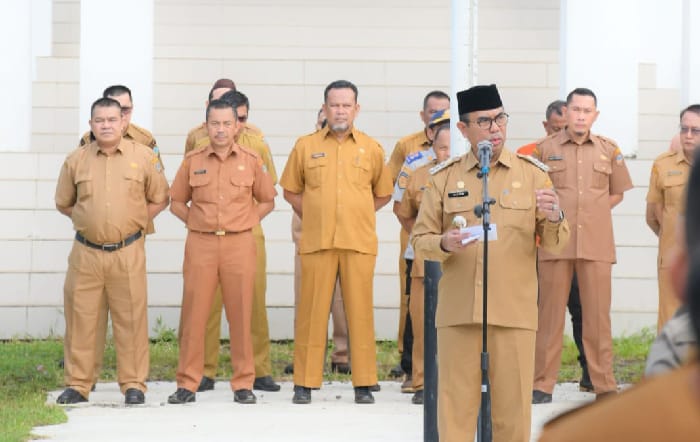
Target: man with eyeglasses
point(130, 131)
point(590, 176)
point(251, 137)
point(669, 176)
point(525, 206)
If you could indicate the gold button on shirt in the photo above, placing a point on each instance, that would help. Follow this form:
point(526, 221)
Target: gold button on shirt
point(110, 194)
point(584, 177)
point(512, 283)
point(222, 191)
point(339, 181)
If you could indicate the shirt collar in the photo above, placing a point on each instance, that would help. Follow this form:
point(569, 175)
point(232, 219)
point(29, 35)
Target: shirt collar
point(505, 159)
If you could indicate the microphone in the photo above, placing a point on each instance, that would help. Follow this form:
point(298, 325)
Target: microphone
point(485, 151)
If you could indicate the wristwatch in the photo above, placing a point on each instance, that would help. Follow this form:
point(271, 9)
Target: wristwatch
point(561, 218)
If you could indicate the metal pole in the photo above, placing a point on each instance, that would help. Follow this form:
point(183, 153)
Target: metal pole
point(432, 277)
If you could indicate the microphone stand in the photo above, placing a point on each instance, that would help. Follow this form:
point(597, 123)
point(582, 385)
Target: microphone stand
point(483, 211)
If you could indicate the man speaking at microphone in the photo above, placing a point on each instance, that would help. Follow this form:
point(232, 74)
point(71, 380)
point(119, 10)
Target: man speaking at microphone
point(524, 205)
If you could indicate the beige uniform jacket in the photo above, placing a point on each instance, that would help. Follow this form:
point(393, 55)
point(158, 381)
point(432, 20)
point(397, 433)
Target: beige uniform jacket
point(512, 280)
point(404, 147)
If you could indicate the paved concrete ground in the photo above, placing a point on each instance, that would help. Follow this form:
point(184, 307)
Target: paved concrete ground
point(332, 416)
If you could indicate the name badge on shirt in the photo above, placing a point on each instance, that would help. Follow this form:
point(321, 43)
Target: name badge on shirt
point(318, 155)
point(555, 158)
point(200, 172)
point(674, 172)
point(458, 194)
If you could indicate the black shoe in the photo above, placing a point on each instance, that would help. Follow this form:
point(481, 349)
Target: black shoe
point(396, 372)
point(340, 367)
point(417, 397)
point(605, 395)
point(182, 396)
point(206, 384)
point(375, 388)
point(265, 383)
point(289, 369)
point(363, 396)
point(540, 397)
point(70, 396)
point(244, 397)
point(302, 395)
point(585, 384)
point(134, 396)
point(94, 387)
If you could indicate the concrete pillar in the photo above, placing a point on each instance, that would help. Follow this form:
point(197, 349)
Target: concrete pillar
point(463, 65)
point(116, 47)
point(600, 51)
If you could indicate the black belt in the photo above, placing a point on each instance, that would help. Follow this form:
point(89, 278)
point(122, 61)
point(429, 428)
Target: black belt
point(108, 247)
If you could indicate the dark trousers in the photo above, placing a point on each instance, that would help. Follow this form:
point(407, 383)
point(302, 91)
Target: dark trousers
point(574, 306)
point(406, 355)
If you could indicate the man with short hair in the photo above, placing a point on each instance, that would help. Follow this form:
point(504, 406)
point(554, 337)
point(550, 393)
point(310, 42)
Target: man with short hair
point(434, 101)
point(221, 192)
point(525, 206)
point(250, 137)
point(335, 180)
point(590, 176)
point(669, 176)
point(111, 188)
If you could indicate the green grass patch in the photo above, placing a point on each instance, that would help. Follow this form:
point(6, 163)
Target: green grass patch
point(29, 369)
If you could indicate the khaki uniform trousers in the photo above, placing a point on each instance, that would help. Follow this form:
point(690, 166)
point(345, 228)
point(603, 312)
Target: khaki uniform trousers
point(319, 272)
point(403, 298)
point(668, 300)
point(210, 260)
point(511, 359)
point(341, 351)
point(594, 280)
point(416, 306)
point(260, 330)
point(95, 280)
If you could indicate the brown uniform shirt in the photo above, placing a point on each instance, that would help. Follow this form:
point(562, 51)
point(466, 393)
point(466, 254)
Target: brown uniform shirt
point(404, 147)
point(584, 177)
point(410, 204)
point(110, 194)
point(339, 181)
point(669, 177)
point(512, 283)
point(222, 191)
point(662, 408)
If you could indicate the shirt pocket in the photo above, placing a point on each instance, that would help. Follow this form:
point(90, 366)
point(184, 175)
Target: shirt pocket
point(316, 171)
point(463, 206)
point(242, 186)
point(202, 189)
point(134, 181)
point(674, 186)
point(557, 173)
point(601, 175)
point(83, 185)
point(515, 210)
point(362, 170)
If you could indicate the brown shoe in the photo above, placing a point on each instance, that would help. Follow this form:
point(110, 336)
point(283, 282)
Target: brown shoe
point(407, 386)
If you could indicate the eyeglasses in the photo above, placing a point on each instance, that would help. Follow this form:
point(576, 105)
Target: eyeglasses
point(486, 122)
point(243, 118)
point(694, 131)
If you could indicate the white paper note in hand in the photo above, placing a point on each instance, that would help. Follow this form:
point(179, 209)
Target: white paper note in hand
point(477, 233)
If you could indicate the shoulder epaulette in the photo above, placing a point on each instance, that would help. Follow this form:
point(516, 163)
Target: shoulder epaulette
point(539, 164)
point(438, 167)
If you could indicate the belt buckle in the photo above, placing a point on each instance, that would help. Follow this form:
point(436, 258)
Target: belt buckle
point(220, 233)
point(111, 247)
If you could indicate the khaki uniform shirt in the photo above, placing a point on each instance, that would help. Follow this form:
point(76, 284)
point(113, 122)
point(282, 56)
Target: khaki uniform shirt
point(198, 133)
point(662, 408)
point(110, 194)
point(410, 203)
point(222, 191)
point(404, 147)
point(339, 181)
point(584, 177)
point(512, 282)
point(669, 179)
